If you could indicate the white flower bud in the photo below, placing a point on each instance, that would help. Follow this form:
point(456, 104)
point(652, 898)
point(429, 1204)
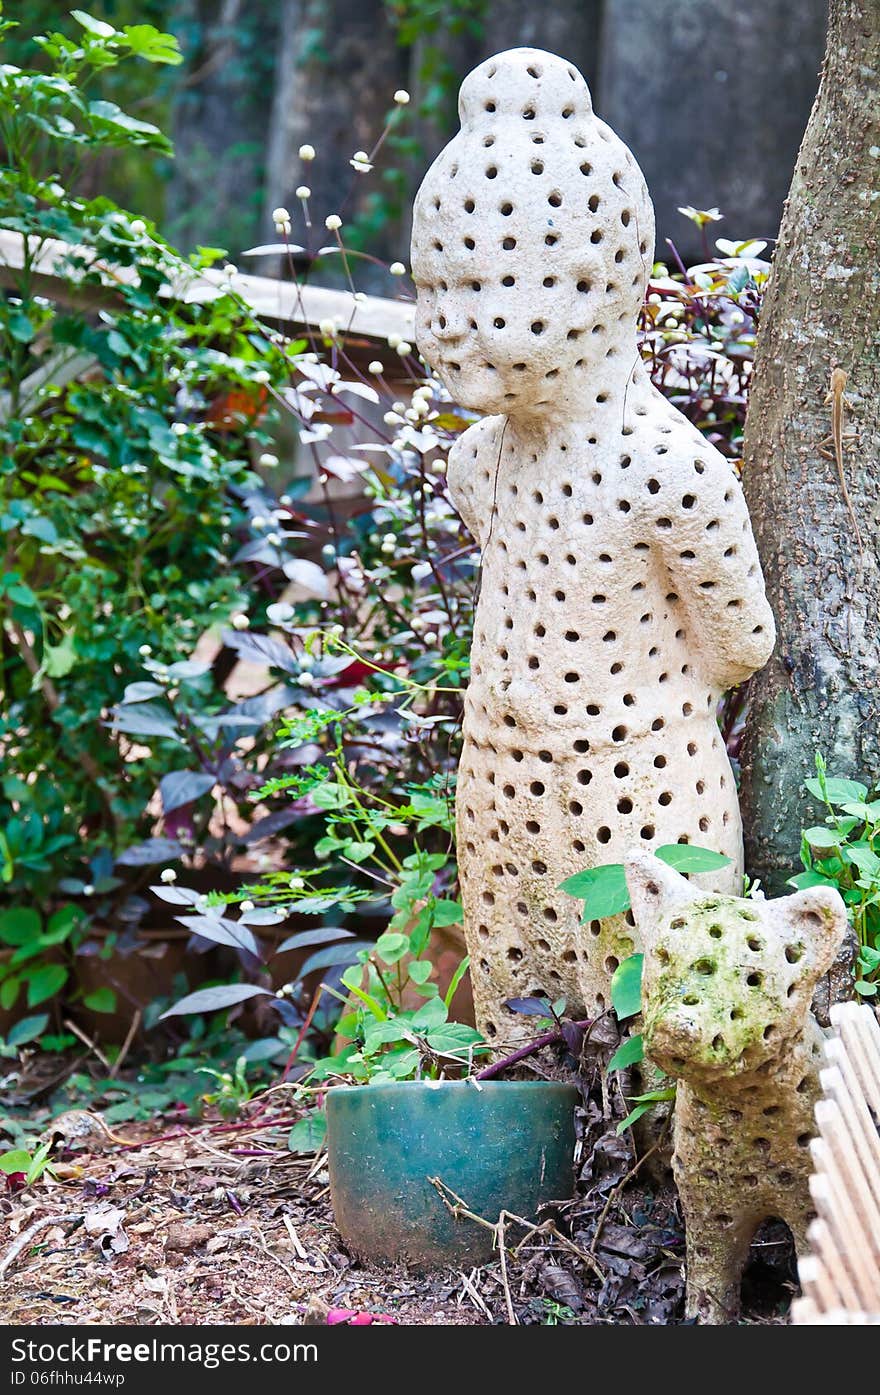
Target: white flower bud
point(240, 621)
point(333, 222)
point(230, 270)
point(393, 340)
point(168, 875)
point(404, 348)
point(267, 460)
point(397, 269)
point(280, 215)
point(137, 228)
point(430, 637)
point(296, 883)
point(307, 152)
point(145, 651)
point(303, 191)
point(88, 890)
point(261, 376)
point(375, 367)
point(307, 680)
point(247, 906)
point(401, 97)
point(178, 428)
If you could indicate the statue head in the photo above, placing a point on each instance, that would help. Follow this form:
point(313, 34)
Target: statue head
point(727, 980)
point(533, 238)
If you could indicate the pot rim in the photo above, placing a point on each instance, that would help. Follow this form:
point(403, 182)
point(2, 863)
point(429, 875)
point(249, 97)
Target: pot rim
point(475, 1086)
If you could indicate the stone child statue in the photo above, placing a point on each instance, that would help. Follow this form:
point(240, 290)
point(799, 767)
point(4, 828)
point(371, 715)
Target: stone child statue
point(726, 991)
point(621, 592)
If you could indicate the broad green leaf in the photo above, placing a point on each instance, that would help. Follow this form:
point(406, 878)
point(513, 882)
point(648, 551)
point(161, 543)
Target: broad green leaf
point(802, 880)
point(603, 890)
point(308, 1133)
point(687, 857)
point(446, 913)
point(821, 837)
point(865, 990)
point(16, 1160)
point(431, 1014)
point(151, 44)
point(45, 982)
point(626, 987)
point(98, 27)
point(628, 1053)
point(455, 1039)
point(27, 1029)
point(102, 1000)
point(863, 857)
point(391, 946)
point(19, 925)
point(420, 970)
point(837, 791)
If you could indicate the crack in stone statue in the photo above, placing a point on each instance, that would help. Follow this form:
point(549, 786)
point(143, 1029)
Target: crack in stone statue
point(726, 990)
point(621, 592)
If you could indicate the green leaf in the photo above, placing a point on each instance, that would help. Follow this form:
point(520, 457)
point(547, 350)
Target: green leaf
point(27, 1029)
point(420, 970)
point(603, 890)
point(686, 857)
point(390, 947)
point(837, 791)
point(431, 1014)
point(16, 1160)
point(151, 44)
point(102, 1000)
point(626, 987)
point(454, 1039)
point(446, 913)
point(628, 1053)
point(59, 659)
point(806, 879)
point(456, 980)
point(863, 857)
point(308, 1133)
point(821, 837)
point(45, 982)
point(20, 925)
point(98, 27)
point(9, 992)
point(865, 990)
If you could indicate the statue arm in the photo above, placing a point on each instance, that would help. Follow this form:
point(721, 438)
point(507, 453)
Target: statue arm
point(704, 535)
point(469, 470)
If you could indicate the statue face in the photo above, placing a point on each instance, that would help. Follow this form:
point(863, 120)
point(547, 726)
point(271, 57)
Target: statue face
point(531, 237)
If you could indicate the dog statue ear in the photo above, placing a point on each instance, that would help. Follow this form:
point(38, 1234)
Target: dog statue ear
point(817, 921)
point(654, 887)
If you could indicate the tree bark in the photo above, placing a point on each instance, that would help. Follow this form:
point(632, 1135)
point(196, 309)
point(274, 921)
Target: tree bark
point(220, 122)
point(712, 105)
point(338, 67)
point(821, 689)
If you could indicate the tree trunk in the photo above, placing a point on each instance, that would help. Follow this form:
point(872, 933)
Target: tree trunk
point(338, 67)
point(821, 689)
point(712, 107)
point(220, 121)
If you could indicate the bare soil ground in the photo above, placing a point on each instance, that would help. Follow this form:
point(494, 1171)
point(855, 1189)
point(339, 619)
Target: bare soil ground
point(216, 1222)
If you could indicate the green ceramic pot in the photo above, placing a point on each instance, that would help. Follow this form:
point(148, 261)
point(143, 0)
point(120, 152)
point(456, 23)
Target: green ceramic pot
point(508, 1145)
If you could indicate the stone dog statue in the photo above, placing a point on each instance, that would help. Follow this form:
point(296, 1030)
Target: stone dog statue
point(726, 994)
point(621, 592)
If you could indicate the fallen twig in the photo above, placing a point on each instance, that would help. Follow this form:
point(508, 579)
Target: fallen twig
point(460, 1209)
point(22, 1241)
point(616, 1192)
